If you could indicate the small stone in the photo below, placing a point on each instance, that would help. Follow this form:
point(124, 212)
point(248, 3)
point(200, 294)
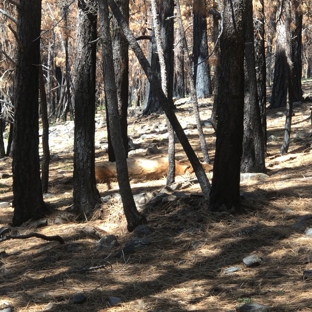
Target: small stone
point(41, 223)
point(307, 274)
point(49, 306)
point(252, 260)
point(59, 220)
point(252, 307)
point(7, 309)
point(231, 270)
point(106, 198)
point(47, 195)
point(107, 242)
point(142, 230)
point(4, 204)
point(169, 198)
point(114, 300)
point(308, 232)
point(79, 299)
point(74, 247)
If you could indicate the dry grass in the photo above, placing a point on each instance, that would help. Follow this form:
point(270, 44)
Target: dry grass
point(183, 267)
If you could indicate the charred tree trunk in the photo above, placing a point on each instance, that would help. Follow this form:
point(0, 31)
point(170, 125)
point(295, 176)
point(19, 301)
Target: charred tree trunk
point(86, 195)
point(225, 191)
point(121, 63)
point(259, 23)
point(202, 79)
point(28, 201)
point(253, 142)
point(296, 43)
point(133, 217)
point(179, 77)
point(165, 13)
point(45, 134)
point(279, 89)
point(286, 11)
point(216, 63)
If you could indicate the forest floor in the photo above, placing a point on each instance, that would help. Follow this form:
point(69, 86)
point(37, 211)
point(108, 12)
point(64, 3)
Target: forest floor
point(189, 259)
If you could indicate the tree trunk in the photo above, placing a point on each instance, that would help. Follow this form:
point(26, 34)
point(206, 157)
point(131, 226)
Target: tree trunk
point(165, 14)
point(156, 85)
point(296, 42)
point(133, 217)
point(188, 64)
point(179, 79)
point(121, 62)
point(164, 86)
point(253, 142)
point(202, 79)
point(2, 128)
point(286, 12)
point(28, 200)
point(216, 63)
point(45, 133)
point(279, 89)
point(259, 22)
point(86, 195)
point(225, 191)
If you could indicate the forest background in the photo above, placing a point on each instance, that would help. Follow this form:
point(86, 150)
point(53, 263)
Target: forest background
point(284, 37)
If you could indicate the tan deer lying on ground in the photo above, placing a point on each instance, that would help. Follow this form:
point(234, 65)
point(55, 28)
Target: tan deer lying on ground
point(142, 169)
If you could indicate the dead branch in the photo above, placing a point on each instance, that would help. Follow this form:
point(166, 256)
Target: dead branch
point(38, 235)
point(92, 268)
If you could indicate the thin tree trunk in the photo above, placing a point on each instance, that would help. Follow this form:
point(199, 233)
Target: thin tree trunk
point(45, 134)
point(133, 217)
point(289, 78)
point(259, 22)
point(121, 63)
point(163, 77)
point(188, 64)
point(253, 143)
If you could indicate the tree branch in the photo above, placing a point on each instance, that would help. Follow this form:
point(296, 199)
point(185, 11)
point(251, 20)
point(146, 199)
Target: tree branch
point(38, 235)
point(8, 16)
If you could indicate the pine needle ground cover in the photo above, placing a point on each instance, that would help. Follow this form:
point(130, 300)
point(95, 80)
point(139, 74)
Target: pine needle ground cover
point(191, 259)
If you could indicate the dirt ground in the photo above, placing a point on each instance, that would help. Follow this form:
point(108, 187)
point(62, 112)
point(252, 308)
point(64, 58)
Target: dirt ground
point(183, 264)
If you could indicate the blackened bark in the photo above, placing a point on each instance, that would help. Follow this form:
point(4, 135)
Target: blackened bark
point(188, 66)
point(156, 85)
point(259, 23)
point(286, 11)
point(86, 195)
point(216, 64)
point(121, 63)
point(202, 79)
point(253, 143)
point(133, 217)
point(165, 14)
point(28, 201)
point(2, 128)
point(225, 190)
point(279, 89)
point(296, 43)
point(45, 134)
point(179, 78)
